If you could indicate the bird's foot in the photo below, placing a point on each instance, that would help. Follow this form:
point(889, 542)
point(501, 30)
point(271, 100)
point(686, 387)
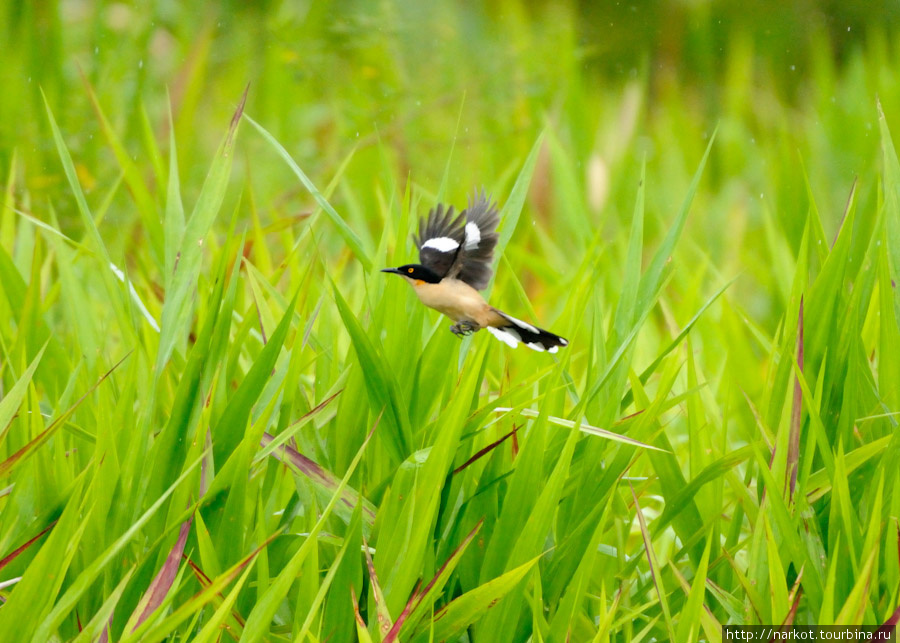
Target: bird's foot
point(463, 328)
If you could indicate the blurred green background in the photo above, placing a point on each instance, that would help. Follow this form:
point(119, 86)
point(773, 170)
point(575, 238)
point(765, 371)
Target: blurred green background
point(616, 83)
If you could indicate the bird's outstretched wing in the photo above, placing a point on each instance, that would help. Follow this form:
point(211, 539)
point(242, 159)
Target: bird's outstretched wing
point(440, 236)
point(473, 261)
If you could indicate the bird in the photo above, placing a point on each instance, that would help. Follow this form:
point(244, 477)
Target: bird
point(455, 254)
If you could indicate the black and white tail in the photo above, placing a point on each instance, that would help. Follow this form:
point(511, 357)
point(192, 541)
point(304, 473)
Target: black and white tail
point(533, 337)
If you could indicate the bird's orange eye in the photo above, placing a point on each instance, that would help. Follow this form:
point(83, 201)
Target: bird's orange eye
point(409, 270)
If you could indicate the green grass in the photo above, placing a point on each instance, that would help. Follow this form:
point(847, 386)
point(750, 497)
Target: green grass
point(219, 421)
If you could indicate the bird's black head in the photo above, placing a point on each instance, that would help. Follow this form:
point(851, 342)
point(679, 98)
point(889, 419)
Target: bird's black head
point(417, 272)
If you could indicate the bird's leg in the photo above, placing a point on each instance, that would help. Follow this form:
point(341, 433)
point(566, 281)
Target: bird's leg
point(463, 328)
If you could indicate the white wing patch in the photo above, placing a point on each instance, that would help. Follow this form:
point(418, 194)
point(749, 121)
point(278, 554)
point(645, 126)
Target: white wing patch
point(506, 336)
point(473, 235)
point(442, 244)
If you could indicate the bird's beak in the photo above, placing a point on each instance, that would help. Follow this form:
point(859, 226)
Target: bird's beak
point(395, 271)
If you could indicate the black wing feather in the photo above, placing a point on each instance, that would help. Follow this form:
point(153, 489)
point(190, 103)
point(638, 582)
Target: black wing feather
point(440, 224)
point(473, 263)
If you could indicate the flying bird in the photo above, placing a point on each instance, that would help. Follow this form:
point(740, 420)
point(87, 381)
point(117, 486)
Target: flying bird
point(455, 253)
